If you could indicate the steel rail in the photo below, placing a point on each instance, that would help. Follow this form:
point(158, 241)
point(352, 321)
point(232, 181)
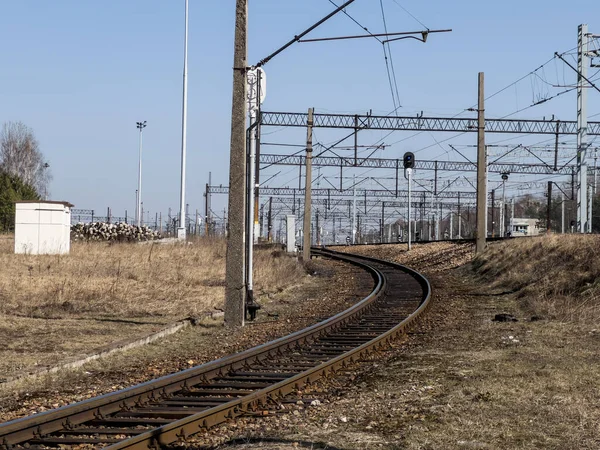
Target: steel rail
point(62, 420)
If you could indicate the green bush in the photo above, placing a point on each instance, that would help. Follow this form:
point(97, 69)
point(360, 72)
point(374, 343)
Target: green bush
point(12, 189)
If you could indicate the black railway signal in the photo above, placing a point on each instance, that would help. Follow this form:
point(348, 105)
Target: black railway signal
point(409, 160)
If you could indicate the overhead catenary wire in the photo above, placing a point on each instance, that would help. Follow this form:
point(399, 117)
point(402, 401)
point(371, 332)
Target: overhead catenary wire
point(409, 13)
point(389, 74)
point(396, 105)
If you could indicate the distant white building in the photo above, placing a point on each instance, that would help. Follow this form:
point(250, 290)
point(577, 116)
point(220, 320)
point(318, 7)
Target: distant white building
point(524, 227)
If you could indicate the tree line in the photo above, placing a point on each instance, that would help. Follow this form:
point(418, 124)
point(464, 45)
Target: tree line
point(24, 173)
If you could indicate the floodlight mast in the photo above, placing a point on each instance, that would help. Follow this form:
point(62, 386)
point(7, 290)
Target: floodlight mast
point(181, 229)
point(140, 126)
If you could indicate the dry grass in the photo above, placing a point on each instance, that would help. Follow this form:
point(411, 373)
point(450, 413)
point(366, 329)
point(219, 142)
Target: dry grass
point(556, 276)
point(57, 308)
point(463, 381)
point(128, 280)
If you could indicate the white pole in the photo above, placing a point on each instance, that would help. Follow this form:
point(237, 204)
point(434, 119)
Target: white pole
point(354, 212)
point(512, 215)
point(409, 173)
point(138, 218)
point(252, 175)
point(589, 210)
point(451, 230)
point(438, 224)
point(181, 228)
point(562, 215)
point(137, 205)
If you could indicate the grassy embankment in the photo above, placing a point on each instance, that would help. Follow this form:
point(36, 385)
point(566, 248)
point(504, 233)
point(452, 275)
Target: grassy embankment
point(556, 277)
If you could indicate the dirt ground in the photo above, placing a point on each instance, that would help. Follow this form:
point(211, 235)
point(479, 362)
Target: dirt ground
point(330, 287)
point(460, 381)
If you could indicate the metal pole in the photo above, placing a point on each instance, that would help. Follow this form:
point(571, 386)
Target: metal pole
point(354, 211)
point(270, 221)
point(512, 215)
point(562, 215)
point(459, 218)
point(438, 231)
point(382, 238)
point(137, 206)
point(333, 229)
point(355, 140)
point(318, 237)
point(308, 188)
point(140, 126)
point(582, 48)
point(181, 228)
point(409, 173)
point(252, 108)
point(502, 217)
point(481, 170)
point(493, 210)
point(235, 290)
point(589, 210)
point(549, 208)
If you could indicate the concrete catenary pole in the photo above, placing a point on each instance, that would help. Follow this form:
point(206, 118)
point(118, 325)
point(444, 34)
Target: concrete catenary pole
point(181, 228)
point(235, 289)
point(481, 170)
point(308, 189)
point(582, 49)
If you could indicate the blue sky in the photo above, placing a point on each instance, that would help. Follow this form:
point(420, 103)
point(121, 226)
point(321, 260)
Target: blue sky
point(81, 73)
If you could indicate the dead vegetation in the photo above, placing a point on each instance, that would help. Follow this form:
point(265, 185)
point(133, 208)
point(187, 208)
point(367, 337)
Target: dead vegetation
point(462, 380)
point(555, 276)
point(56, 308)
point(128, 280)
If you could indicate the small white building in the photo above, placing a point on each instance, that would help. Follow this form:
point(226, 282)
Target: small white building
point(42, 227)
point(524, 227)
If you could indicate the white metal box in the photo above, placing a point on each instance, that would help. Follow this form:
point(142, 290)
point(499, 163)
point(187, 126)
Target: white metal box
point(42, 228)
point(291, 233)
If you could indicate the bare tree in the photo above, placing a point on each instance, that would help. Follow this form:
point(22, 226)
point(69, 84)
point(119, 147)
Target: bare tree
point(20, 155)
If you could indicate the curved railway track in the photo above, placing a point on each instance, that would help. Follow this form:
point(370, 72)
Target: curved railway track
point(167, 410)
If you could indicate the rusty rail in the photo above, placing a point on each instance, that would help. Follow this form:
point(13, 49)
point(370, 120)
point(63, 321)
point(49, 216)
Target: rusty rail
point(171, 408)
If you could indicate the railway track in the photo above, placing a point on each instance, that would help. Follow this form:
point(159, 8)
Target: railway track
point(169, 409)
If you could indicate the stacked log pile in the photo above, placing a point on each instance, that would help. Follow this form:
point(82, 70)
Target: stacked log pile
point(117, 232)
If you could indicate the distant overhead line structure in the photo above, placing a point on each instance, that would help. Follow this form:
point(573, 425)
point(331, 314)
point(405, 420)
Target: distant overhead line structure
point(382, 193)
point(422, 123)
point(387, 163)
